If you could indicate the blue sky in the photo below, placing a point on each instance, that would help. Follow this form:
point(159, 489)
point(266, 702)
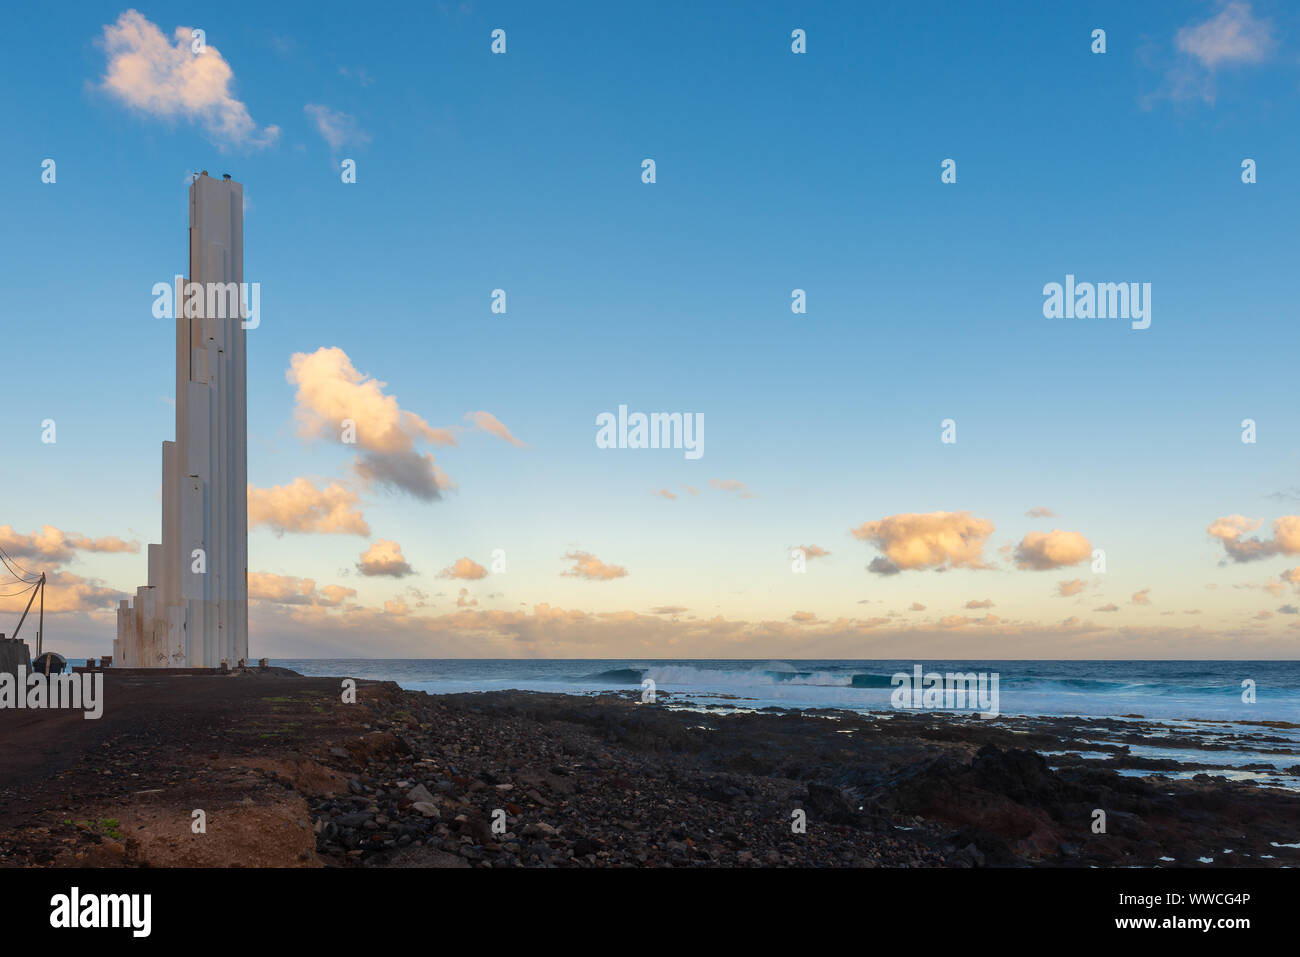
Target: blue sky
point(775, 171)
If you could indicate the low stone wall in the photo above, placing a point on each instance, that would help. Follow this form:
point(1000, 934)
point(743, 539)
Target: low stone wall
point(14, 653)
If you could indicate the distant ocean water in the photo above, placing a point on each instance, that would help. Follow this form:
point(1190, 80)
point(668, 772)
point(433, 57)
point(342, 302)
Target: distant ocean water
point(1182, 693)
point(1156, 689)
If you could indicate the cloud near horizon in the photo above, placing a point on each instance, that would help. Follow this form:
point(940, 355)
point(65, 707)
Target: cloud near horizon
point(1230, 530)
point(1041, 551)
point(287, 590)
point(812, 551)
point(64, 592)
point(934, 540)
point(464, 568)
point(384, 557)
point(51, 544)
point(588, 566)
point(302, 507)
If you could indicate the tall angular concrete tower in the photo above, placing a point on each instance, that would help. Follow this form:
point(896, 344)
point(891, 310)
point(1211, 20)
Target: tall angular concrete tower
point(194, 611)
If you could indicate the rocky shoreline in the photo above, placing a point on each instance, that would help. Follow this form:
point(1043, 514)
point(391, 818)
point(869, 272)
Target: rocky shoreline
point(287, 775)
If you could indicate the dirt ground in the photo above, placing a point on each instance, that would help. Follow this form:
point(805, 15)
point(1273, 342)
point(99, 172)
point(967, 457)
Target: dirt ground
point(124, 789)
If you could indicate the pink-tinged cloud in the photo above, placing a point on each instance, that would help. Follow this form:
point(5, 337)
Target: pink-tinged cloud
point(287, 590)
point(962, 621)
point(937, 540)
point(664, 493)
point(473, 632)
point(64, 592)
point(170, 80)
point(588, 566)
point(1066, 589)
point(489, 423)
point(464, 568)
point(813, 551)
point(336, 127)
point(1231, 531)
point(51, 544)
point(1040, 512)
point(1286, 533)
point(337, 403)
point(1041, 551)
point(330, 390)
point(1233, 35)
point(1142, 597)
point(1110, 607)
point(302, 507)
point(385, 558)
point(732, 485)
point(974, 603)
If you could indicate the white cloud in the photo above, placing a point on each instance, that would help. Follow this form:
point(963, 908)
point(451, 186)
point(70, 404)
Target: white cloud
point(338, 129)
point(170, 80)
point(491, 424)
point(1233, 36)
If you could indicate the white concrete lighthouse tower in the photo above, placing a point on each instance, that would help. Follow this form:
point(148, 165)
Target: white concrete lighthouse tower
point(194, 611)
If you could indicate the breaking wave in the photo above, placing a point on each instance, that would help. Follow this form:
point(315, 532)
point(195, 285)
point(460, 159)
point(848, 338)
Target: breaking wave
point(772, 673)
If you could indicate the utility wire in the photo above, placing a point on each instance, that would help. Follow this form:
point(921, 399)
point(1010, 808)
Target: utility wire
point(5, 558)
point(17, 562)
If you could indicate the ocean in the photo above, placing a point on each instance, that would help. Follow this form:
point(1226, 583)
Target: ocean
point(1199, 701)
point(1155, 689)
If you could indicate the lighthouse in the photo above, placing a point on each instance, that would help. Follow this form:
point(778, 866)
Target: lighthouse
point(193, 613)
